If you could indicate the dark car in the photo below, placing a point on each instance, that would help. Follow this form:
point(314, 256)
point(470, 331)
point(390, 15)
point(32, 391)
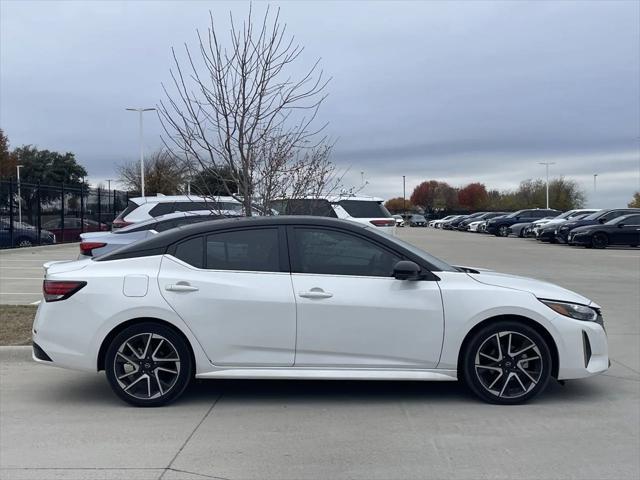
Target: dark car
point(417, 220)
point(500, 226)
point(452, 224)
point(623, 230)
point(70, 230)
point(24, 235)
point(598, 218)
point(463, 225)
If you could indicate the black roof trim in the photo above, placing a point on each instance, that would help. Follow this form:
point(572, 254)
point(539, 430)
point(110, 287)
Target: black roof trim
point(158, 244)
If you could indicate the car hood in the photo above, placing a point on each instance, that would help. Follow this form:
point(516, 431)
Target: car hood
point(537, 287)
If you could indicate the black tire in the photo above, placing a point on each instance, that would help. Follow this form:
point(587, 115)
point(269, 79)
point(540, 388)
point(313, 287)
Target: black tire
point(599, 240)
point(24, 242)
point(503, 231)
point(480, 373)
point(167, 343)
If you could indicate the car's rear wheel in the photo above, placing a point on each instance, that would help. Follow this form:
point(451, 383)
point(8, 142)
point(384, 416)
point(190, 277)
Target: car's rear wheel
point(507, 363)
point(24, 242)
point(148, 365)
point(599, 240)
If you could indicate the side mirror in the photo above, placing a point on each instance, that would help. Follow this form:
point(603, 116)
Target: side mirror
point(620, 225)
point(406, 270)
point(602, 220)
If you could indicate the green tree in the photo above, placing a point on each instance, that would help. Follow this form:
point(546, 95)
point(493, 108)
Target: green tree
point(635, 202)
point(399, 205)
point(49, 168)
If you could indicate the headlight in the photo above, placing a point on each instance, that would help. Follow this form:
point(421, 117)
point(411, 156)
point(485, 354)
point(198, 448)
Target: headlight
point(572, 310)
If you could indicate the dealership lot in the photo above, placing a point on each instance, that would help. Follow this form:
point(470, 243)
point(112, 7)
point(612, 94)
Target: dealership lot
point(21, 271)
point(62, 424)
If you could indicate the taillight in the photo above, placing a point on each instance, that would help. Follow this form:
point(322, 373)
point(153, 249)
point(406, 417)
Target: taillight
point(119, 223)
point(87, 247)
point(54, 290)
point(383, 223)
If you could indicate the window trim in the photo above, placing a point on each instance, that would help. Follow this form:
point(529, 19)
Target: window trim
point(398, 252)
point(283, 256)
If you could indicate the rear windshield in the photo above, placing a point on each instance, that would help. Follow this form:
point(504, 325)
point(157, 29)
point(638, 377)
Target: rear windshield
point(131, 206)
point(308, 206)
point(364, 209)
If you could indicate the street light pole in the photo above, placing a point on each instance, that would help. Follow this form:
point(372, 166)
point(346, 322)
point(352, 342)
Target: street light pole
point(546, 164)
point(18, 167)
point(404, 195)
point(140, 112)
point(595, 175)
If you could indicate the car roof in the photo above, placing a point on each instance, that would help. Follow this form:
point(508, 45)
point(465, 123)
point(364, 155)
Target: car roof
point(180, 198)
point(157, 244)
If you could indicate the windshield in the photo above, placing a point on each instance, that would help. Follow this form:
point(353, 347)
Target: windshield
point(419, 218)
point(594, 215)
point(436, 262)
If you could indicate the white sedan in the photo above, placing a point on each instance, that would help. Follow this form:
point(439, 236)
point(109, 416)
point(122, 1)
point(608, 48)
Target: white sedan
point(307, 298)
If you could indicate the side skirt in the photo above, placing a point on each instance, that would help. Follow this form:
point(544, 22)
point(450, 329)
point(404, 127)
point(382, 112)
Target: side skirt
point(293, 373)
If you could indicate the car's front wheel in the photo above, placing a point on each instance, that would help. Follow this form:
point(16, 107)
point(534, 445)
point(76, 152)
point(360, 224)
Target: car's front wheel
point(503, 231)
point(599, 240)
point(148, 365)
point(506, 363)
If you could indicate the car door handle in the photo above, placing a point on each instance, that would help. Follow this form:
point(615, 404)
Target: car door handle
point(180, 287)
point(315, 293)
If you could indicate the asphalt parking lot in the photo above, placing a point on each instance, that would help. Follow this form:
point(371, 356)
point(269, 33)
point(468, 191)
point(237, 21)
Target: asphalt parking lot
point(21, 271)
point(62, 424)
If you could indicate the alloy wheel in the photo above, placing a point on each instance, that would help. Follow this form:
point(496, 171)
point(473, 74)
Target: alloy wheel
point(503, 231)
point(508, 365)
point(146, 366)
point(599, 240)
point(25, 243)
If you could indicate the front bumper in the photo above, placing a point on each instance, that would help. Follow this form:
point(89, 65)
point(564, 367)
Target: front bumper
point(583, 349)
point(574, 239)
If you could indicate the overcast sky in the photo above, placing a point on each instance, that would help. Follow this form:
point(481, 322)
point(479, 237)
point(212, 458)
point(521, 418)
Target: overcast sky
point(456, 91)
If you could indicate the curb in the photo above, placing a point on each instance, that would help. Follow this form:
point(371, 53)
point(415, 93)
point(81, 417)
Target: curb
point(15, 354)
point(37, 248)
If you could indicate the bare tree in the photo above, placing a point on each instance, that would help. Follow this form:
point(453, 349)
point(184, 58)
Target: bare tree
point(164, 173)
point(236, 109)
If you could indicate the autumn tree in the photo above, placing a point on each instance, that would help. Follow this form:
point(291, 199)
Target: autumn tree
point(434, 195)
point(163, 173)
point(474, 196)
point(7, 158)
point(399, 205)
point(240, 107)
point(635, 202)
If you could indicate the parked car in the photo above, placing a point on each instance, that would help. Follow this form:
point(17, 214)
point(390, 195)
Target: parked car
point(99, 243)
point(444, 224)
point(453, 224)
point(307, 298)
point(357, 208)
point(437, 222)
point(574, 214)
point(477, 225)
point(364, 209)
point(24, 235)
point(417, 220)
point(140, 209)
point(623, 230)
point(500, 226)
point(463, 225)
point(70, 230)
point(399, 220)
point(519, 229)
point(561, 233)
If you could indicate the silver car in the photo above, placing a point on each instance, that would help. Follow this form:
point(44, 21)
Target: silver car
point(93, 244)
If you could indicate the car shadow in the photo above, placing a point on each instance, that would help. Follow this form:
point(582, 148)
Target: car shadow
point(95, 390)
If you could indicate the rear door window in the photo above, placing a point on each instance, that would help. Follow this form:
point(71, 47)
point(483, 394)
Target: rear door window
point(191, 251)
point(254, 250)
point(364, 209)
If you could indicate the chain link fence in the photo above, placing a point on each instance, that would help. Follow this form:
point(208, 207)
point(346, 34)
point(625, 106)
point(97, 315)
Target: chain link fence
point(36, 214)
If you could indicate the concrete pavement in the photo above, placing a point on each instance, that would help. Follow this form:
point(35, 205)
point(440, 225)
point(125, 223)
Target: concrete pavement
point(62, 424)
